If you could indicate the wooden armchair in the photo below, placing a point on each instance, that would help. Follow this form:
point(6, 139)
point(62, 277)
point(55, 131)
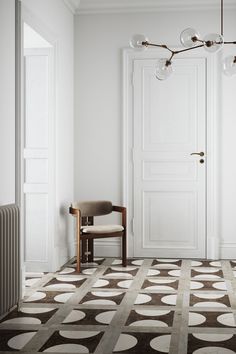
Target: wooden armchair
point(87, 231)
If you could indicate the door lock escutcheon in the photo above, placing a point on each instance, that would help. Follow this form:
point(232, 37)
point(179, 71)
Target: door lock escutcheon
point(198, 153)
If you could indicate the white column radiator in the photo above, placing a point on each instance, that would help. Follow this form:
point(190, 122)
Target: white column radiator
point(9, 257)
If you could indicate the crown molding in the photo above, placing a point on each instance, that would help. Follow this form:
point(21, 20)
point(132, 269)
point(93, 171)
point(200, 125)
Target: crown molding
point(140, 6)
point(72, 5)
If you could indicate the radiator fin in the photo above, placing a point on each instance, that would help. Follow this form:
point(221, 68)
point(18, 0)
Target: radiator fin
point(9, 257)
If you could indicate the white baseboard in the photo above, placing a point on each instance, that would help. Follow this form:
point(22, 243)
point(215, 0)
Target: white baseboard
point(213, 248)
point(102, 248)
point(228, 251)
point(37, 266)
point(22, 281)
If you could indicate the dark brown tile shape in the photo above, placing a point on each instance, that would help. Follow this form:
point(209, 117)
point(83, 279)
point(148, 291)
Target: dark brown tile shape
point(98, 262)
point(173, 285)
point(113, 283)
point(208, 285)
point(156, 299)
point(194, 273)
point(211, 319)
point(74, 271)
point(56, 339)
point(90, 296)
point(77, 283)
point(195, 344)
point(49, 298)
point(165, 273)
point(68, 266)
point(223, 300)
point(43, 317)
point(134, 316)
point(206, 263)
point(90, 317)
point(176, 263)
point(143, 343)
point(129, 262)
point(233, 264)
point(115, 269)
point(6, 335)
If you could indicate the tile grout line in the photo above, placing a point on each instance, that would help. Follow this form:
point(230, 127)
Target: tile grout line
point(114, 330)
point(178, 342)
point(47, 329)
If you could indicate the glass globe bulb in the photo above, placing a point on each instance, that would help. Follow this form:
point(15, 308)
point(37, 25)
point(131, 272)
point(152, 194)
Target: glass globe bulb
point(213, 42)
point(229, 65)
point(189, 37)
point(137, 40)
point(163, 69)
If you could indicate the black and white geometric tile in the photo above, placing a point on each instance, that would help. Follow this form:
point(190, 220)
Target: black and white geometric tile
point(138, 342)
point(81, 316)
point(14, 340)
point(72, 341)
point(152, 306)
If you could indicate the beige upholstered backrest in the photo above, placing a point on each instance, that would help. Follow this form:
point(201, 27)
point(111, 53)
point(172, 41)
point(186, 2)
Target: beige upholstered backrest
point(93, 208)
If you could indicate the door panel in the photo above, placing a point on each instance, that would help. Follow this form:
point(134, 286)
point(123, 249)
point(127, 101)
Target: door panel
point(38, 223)
point(169, 183)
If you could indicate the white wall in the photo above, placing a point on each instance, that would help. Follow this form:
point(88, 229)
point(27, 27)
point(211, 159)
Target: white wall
point(33, 40)
point(7, 102)
point(59, 21)
point(98, 102)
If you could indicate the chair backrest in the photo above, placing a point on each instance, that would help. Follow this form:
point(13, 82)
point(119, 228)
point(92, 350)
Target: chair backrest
point(93, 208)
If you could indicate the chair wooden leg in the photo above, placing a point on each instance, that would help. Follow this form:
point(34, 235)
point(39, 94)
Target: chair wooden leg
point(78, 242)
point(124, 251)
point(90, 249)
point(84, 251)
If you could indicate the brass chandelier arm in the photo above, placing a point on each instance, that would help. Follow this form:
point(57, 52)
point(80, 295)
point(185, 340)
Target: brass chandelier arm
point(147, 44)
point(187, 49)
point(183, 50)
point(173, 52)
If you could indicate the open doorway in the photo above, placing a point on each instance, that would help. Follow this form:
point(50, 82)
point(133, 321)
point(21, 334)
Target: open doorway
point(37, 150)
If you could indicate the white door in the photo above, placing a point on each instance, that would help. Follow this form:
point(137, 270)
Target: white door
point(38, 154)
point(169, 123)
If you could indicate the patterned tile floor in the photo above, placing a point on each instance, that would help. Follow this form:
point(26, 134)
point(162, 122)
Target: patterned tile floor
point(152, 306)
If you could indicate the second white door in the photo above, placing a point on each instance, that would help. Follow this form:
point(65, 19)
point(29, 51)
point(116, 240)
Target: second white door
point(169, 184)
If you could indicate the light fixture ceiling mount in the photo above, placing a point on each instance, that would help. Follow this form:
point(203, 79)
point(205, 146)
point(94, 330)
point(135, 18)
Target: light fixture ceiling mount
point(191, 40)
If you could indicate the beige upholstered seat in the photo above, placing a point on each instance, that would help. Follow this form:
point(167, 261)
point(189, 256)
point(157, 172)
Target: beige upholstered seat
point(100, 229)
point(86, 231)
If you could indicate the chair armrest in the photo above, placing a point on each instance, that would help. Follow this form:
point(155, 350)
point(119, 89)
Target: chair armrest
point(119, 209)
point(74, 211)
point(122, 210)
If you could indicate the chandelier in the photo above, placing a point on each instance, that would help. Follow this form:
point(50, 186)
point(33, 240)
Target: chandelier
point(191, 40)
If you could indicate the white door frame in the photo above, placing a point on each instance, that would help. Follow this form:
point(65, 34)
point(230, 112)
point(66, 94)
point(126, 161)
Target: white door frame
point(212, 141)
point(39, 27)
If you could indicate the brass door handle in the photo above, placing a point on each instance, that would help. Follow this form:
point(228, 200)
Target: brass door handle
point(198, 153)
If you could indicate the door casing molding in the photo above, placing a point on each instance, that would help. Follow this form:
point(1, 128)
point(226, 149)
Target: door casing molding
point(213, 108)
point(25, 15)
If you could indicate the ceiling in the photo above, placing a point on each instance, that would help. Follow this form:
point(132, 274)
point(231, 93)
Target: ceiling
point(126, 6)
